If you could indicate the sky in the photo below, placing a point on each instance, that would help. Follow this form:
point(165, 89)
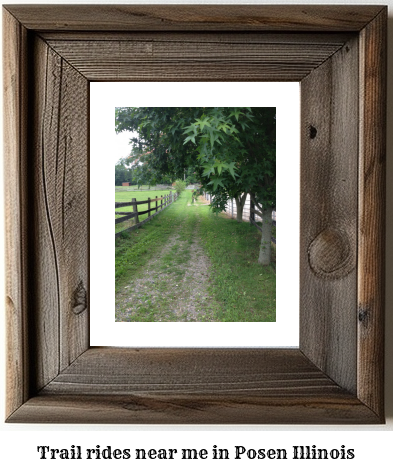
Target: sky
point(121, 146)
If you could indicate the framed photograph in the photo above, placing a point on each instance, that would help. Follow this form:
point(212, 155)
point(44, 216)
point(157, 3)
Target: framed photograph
point(51, 56)
point(157, 293)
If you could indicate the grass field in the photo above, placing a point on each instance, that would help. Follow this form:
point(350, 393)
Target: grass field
point(139, 196)
point(238, 288)
point(144, 187)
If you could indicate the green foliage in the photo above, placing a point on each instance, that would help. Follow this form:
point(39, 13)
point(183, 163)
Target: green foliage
point(123, 174)
point(237, 152)
point(231, 149)
point(196, 193)
point(180, 186)
point(160, 132)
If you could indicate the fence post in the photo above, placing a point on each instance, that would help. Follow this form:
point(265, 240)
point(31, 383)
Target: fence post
point(161, 202)
point(135, 209)
point(156, 205)
point(170, 197)
point(148, 206)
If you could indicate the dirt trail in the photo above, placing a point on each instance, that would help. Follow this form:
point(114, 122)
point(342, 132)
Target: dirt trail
point(173, 285)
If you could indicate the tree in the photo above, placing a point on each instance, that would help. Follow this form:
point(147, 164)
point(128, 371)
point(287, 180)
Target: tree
point(139, 168)
point(180, 186)
point(232, 151)
point(144, 172)
point(123, 174)
point(237, 150)
point(160, 129)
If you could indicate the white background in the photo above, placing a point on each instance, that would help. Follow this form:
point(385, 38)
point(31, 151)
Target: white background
point(104, 97)
point(372, 443)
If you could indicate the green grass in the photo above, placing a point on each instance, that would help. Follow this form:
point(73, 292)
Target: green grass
point(240, 289)
point(245, 289)
point(133, 249)
point(139, 196)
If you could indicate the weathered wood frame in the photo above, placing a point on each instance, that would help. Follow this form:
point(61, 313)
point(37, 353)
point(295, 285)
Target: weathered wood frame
point(338, 53)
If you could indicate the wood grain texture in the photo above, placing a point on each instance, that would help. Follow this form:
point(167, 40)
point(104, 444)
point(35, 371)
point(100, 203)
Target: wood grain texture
point(372, 190)
point(183, 60)
point(198, 385)
point(196, 409)
point(190, 370)
point(61, 212)
point(190, 17)
point(16, 302)
point(329, 169)
point(200, 37)
point(52, 374)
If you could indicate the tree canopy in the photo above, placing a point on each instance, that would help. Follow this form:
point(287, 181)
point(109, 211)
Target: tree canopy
point(231, 150)
point(237, 152)
point(160, 133)
point(122, 173)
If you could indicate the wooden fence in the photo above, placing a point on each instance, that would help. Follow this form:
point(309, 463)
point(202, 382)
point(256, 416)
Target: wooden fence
point(230, 208)
point(164, 202)
point(250, 214)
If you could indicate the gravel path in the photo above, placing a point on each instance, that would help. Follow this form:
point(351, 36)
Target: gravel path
point(173, 285)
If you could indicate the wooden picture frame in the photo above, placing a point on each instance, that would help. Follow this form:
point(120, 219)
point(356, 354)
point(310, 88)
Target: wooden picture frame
point(338, 54)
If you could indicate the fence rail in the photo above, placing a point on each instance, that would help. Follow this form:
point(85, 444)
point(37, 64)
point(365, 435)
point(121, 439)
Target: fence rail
point(250, 214)
point(164, 202)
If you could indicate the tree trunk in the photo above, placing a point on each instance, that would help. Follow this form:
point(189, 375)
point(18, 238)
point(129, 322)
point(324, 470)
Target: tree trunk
point(240, 201)
point(266, 246)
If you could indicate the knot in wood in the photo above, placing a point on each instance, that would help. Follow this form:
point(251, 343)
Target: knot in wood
point(80, 299)
point(313, 132)
point(331, 254)
point(363, 315)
